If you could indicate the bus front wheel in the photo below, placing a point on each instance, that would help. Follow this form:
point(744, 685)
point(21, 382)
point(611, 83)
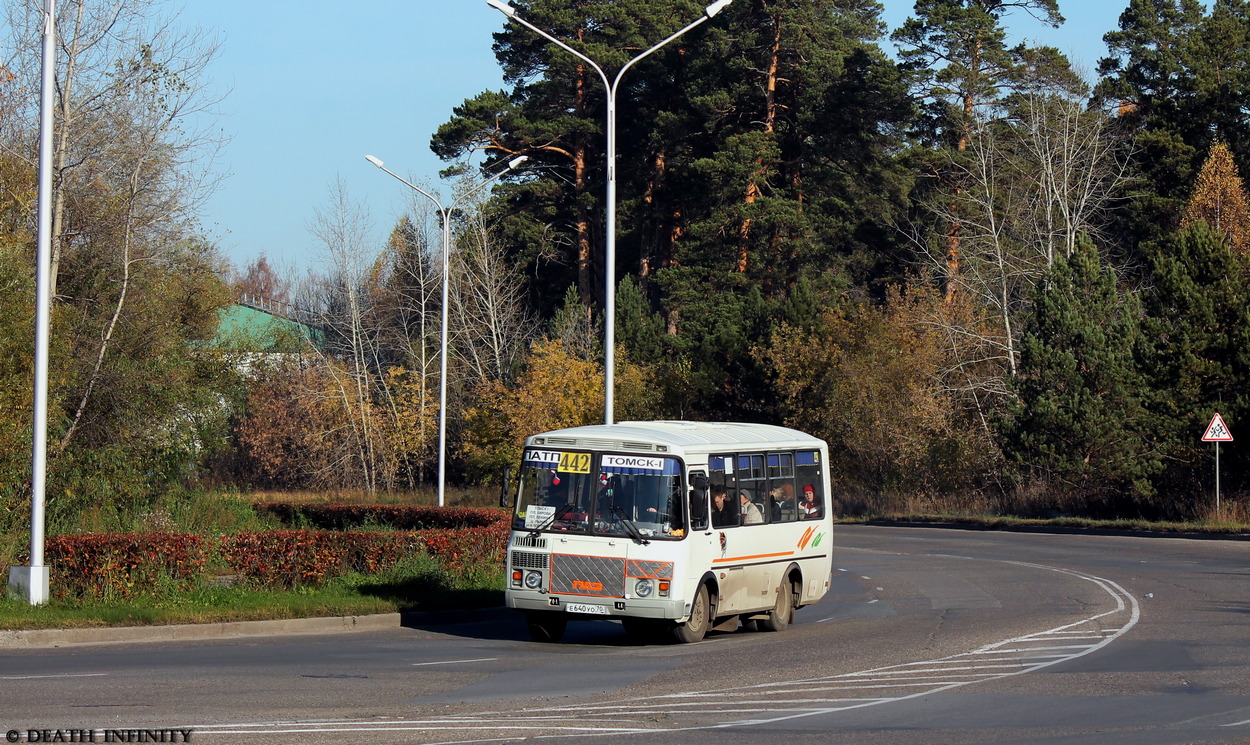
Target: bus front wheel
point(546, 627)
point(696, 626)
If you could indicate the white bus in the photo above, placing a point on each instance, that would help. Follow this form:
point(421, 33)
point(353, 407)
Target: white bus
point(670, 525)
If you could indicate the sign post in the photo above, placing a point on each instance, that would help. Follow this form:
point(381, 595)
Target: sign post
point(1217, 432)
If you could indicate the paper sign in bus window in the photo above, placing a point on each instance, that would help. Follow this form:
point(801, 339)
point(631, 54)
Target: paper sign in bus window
point(539, 515)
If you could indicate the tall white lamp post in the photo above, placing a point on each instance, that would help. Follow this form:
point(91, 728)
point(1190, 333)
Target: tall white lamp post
point(609, 293)
point(32, 581)
point(445, 215)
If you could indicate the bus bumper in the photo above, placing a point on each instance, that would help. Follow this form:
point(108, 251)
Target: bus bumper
point(673, 609)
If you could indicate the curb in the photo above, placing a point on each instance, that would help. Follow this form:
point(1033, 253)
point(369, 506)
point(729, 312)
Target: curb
point(1055, 530)
point(51, 638)
point(43, 638)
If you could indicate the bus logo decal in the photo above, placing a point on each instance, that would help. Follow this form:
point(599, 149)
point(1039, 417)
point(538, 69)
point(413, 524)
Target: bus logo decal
point(810, 535)
point(581, 584)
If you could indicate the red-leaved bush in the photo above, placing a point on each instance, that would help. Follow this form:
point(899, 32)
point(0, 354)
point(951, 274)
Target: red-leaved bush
point(88, 565)
point(112, 565)
point(288, 558)
point(459, 549)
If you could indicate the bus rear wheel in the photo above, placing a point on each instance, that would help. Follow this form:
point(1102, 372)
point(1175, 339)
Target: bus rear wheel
point(783, 610)
point(546, 626)
point(696, 626)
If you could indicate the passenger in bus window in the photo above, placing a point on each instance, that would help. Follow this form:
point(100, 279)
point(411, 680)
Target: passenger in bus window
point(722, 510)
point(809, 506)
point(781, 501)
point(751, 514)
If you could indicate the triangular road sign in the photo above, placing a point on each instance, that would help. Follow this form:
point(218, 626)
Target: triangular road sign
point(1217, 431)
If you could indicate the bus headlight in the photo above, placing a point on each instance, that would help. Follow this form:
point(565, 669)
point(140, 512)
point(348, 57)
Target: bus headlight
point(533, 580)
point(644, 588)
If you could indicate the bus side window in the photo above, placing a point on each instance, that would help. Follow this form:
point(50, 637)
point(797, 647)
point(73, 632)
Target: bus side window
point(724, 495)
point(782, 503)
point(751, 498)
point(698, 501)
point(808, 473)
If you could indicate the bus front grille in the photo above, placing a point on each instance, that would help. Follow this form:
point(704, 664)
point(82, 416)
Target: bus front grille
point(529, 541)
point(528, 560)
point(588, 575)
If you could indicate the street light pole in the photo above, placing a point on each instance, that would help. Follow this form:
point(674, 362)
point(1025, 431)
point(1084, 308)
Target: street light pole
point(609, 258)
point(31, 581)
point(445, 215)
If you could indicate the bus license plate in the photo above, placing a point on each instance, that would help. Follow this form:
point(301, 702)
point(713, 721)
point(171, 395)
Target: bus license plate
point(598, 610)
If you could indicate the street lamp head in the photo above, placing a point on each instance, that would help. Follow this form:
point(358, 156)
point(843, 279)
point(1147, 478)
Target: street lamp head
point(375, 161)
point(710, 10)
point(517, 161)
point(502, 7)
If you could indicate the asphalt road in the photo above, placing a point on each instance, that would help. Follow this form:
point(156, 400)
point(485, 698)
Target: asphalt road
point(928, 636)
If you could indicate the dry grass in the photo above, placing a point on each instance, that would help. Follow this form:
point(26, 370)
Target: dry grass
point(456, 496)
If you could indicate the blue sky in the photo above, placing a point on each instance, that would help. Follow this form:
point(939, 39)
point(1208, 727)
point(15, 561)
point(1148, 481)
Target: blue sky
point(314, 85)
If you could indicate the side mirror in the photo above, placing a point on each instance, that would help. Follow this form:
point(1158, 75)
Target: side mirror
point(505, 499)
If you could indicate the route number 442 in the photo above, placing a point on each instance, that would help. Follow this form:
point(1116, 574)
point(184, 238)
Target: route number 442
point(574, 463)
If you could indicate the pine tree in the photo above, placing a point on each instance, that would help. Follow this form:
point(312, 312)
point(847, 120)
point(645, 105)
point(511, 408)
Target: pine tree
point(756, 150)
point(1081, 395)
point(1177, 78)
point(1196, 334)
point(1219, 199)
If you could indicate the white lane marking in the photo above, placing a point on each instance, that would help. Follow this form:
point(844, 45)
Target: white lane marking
point(455, 662)
point(1048, 648)
point(57, 675)
point(940, 671)
point(297, 728)
point(552, 721)
point(1236, 724)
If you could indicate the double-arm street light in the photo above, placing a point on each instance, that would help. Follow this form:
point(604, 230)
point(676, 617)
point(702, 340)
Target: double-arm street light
point(445, 215)
point(609, 293)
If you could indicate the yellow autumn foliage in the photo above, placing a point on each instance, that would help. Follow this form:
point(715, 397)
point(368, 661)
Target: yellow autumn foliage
point(866, 379)
point(1219, 199)
point(558, 389)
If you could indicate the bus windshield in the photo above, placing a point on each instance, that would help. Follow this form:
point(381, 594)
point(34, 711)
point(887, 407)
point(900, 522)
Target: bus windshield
point(636, 496)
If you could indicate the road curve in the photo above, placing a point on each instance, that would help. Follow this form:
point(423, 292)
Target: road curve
point(927, 636)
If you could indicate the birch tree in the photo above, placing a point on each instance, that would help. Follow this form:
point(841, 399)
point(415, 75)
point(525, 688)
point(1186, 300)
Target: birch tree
point(132, 159)
point(492, 326)
point(963, 71)
point(110, 53)
point(342, 230)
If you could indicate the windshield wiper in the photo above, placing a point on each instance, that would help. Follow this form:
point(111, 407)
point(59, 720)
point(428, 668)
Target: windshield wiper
point(634, 532)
